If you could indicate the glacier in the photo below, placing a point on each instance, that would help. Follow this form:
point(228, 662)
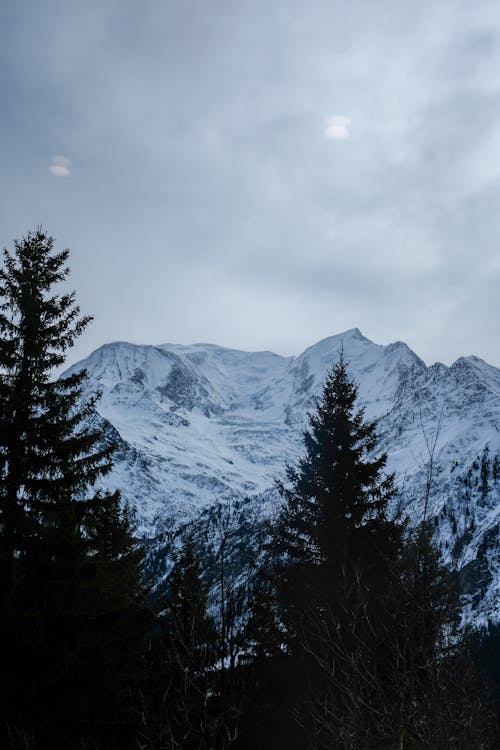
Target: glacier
point(202, 426)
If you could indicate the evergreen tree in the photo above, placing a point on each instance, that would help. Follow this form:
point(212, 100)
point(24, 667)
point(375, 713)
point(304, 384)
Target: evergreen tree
point(334, 521)
point(337, 549)
point(264, 719)
point(485, 472)
point(368, 610)
point(262, 629)
point(69, 571)
point(496, 468)
point(183, 653)
point(193, 633)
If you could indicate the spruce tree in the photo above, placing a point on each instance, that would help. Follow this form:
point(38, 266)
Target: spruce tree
point(368, 611)
point(337, 548)
point(485, 472)
point(181, 660)
point(192, 630)
point(69, 577)
point(335, 516)
point(262, 628)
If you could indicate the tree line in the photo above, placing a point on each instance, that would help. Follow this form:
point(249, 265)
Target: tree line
point(344, 634)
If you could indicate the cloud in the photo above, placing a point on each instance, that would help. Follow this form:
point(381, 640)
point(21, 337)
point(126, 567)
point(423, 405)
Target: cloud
point(337, 127)
point(60, 166)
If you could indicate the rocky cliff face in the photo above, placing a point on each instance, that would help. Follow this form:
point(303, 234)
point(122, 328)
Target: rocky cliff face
point(202, 426)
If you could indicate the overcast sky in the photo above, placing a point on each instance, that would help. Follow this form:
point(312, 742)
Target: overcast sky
point(261, 173)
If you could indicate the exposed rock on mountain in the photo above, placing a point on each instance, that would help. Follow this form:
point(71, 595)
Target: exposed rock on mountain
point(200, 425)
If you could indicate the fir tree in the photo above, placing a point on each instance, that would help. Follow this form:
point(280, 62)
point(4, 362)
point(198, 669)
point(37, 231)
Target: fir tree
point(262, 629)
point(183, 653)
point(337, 549)
point(70, 572)
point(192, 630)
point(485, 473)
point(496, 468)
point(368, 610)
point(335, 519)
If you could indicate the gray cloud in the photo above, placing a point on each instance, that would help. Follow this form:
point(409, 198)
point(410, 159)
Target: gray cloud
point(208, 203)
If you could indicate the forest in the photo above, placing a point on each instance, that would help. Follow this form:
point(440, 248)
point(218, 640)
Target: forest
point(345, 634)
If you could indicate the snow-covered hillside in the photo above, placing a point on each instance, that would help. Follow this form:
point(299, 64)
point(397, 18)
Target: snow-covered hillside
point(199, 425)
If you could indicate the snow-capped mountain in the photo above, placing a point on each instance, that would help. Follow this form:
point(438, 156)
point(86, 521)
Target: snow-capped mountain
point(200, 425)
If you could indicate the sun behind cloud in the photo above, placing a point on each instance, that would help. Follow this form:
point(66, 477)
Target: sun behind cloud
point(60, 167)
point(337, 127)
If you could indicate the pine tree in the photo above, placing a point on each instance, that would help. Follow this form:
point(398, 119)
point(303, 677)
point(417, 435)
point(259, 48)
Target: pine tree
point(69, 575)
point(496, 468)
point(262, 629)
point(368, 610)
point(334, 519)
point(264, 720)
point(192, 629)
point(44, 458)
point(181, 660)
point(485, 473)
point(337, 549)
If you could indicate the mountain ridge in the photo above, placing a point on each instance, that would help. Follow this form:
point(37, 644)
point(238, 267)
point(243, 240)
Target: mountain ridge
point(201, 424)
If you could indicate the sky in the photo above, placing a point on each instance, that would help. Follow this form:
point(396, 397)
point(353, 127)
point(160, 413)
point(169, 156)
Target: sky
point(261, 174)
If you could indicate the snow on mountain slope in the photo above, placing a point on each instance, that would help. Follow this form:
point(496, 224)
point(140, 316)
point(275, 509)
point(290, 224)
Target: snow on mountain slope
point(202, 424)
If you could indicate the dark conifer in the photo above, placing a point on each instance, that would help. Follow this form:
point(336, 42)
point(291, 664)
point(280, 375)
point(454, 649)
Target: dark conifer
point(485, 473)
point(336, 548)
point(496, 468)
point(184, 650)
point(368, 612)
point(193, 634)
point(334, 520)
point(69, 583)
point(262, 634)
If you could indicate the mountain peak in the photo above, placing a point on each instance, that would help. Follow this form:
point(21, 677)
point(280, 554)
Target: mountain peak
point(353, 333)
point(200, 424)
